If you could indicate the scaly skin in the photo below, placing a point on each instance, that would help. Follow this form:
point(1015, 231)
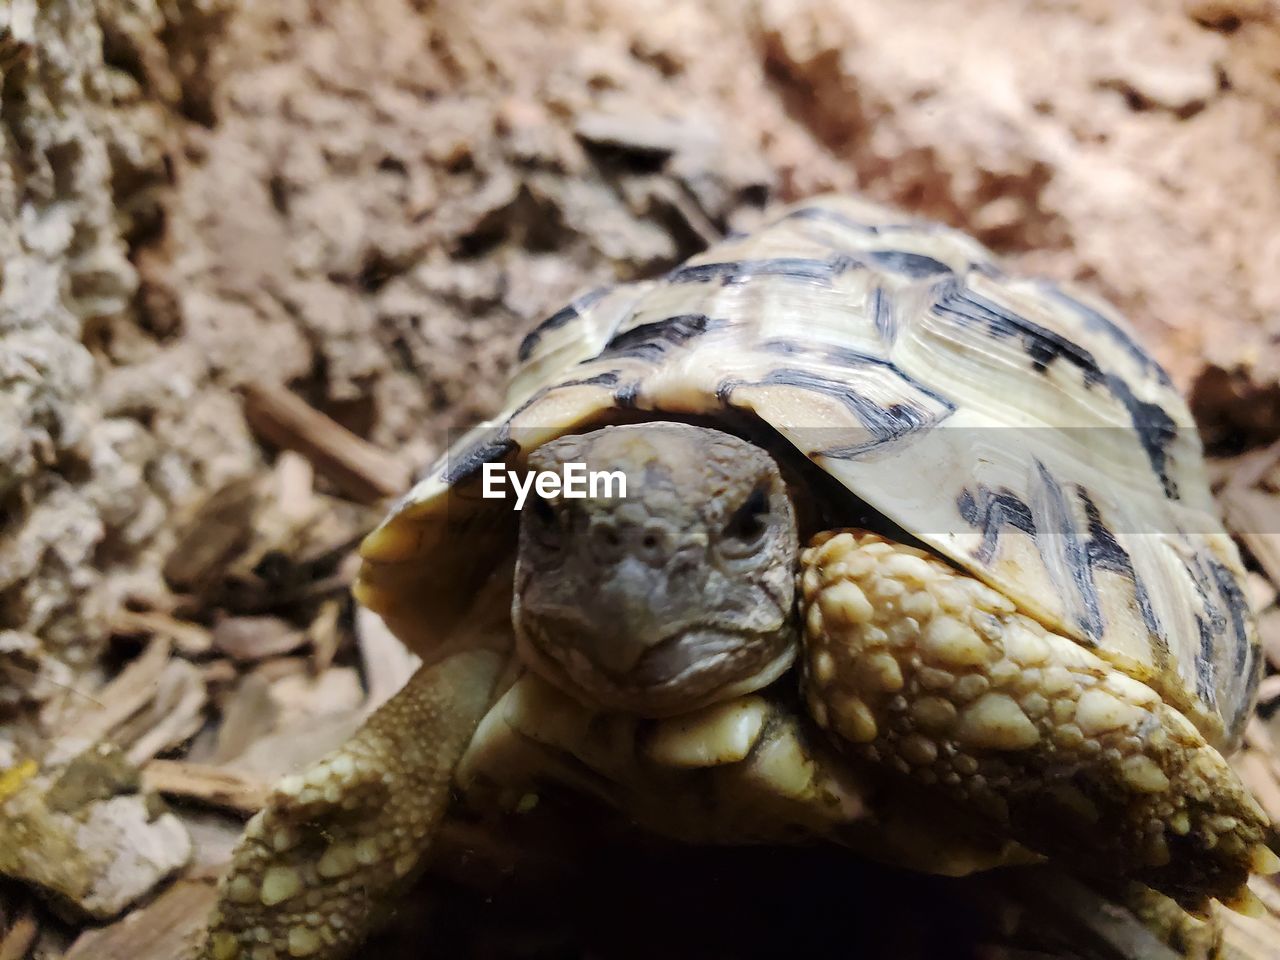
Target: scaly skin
point(928, 672)
point(317, 864)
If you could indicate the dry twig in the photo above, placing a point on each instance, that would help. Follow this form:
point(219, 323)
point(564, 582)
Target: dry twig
point(360, 470)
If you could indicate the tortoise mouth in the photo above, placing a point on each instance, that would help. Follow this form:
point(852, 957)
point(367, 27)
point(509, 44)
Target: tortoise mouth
point(687, 668)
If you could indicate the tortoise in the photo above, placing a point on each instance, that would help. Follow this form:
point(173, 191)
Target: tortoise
point(890, 549)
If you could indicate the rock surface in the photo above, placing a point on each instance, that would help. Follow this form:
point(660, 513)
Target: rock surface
point(370, 202)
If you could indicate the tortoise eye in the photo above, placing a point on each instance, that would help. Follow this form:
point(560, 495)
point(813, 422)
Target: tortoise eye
point(749, 521)
point(542, 509)
point(542, 524)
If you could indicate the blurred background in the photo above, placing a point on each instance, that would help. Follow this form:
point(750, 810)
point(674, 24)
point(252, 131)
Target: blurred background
point(258, 260)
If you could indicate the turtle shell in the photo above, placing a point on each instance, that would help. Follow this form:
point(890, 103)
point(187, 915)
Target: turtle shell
point(1011, 426)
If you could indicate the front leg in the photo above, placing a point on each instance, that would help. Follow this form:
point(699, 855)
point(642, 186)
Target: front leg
point(316, 864)
point(930, 675)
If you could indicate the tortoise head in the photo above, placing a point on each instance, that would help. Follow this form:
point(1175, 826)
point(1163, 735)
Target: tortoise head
point(667, 594)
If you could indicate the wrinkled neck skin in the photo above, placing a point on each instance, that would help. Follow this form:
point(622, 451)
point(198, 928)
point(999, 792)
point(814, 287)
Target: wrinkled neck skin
point(676, 596)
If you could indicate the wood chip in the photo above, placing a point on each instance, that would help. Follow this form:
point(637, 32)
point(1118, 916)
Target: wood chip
point(325, 634)
point(249, 714)
point(1269, 635)
point(294, 478)
point(120, 699)
point(660, 192)
point(388, 663)
point(215, 834)
point(1256, 736)
point(189, 639)
point(1259, 591)
point(219, 672)
point(168, 928)
point(172, 717)
point(360, 470)
point(256, 638)
point(1269, 689)
point(17, 940)
point(219, 528)
point(1254, 517)
point(1082, 915)
point(1267, 891)
point(1250, 469)
point(1253, 938)
point(292, 749)
point(641, 134)
point(1259, 775)
point(215, 786)
point(277, 668)
point(302, 697)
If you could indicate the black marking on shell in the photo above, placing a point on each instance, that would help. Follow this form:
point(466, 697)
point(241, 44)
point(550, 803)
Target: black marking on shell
point(1249, 666)
point(1101, 323)
point(784, 347)
point(1211, 623)
point(1084, 553)
point(466, 464)
point(1223, 621)
point(430, 470)
point(987, 268)
point(1055, 518)
point(489, 450)
point(1156, 431)
point(884, 316)
point(885, 424)
point(1206, 669)
point(626, 395)
point(606, 378)
point(1105, 553)
point(558, 319)
point(1155, 428)
point(855, 360)
point(1041, 345)
point(499, 445)
point(724, 391)
point(915, 265)
point(991, 511)
point(1236, 604)
point(1246, 666)
point(741, 271)
point(649, 341)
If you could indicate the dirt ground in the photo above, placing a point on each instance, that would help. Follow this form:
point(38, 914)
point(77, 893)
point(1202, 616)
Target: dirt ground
point(222, 220)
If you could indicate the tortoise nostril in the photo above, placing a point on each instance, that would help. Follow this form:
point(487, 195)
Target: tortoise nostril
point(612, 540)
point(606, 540)
point(655, 542)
